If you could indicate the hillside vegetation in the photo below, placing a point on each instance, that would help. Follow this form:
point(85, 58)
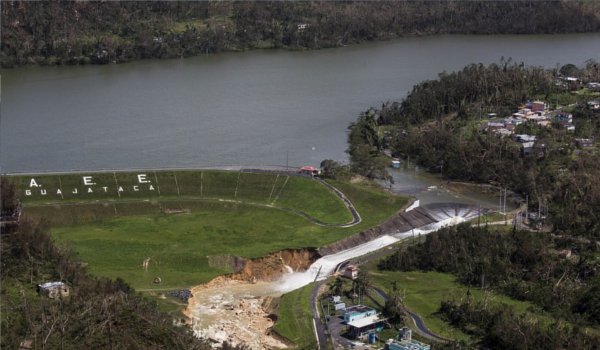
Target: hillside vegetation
point(562, 292)
point(98, 313)
point(442, 126)
point(69, 32)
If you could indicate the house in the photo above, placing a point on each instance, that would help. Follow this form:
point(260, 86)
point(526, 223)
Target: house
point(362, 320)
point(594, 86)
point(563, 117)
point(544, 123)
point(503, 132)
point(302, 26)
point(495, 125)
point(593, 104)
point(309, 170)
point(538, 106)
point(523, 138)
point(54, 290)
point(351, 272)
point(584, 143)
point(358, 312)
point(513, 121)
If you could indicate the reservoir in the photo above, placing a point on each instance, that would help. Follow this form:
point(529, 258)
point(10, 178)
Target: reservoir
point(270, 107)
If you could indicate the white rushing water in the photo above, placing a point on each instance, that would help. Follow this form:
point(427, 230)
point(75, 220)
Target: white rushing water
point(233, 311)
point(325, 266)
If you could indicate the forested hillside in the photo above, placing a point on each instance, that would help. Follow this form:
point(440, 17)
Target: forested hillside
point(79, 32)
point(442, 125)
point(523, 265)
point(97, 314)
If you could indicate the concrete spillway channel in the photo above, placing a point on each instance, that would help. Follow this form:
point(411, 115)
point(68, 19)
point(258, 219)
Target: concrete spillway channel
point(421, 220)
point(212, 307)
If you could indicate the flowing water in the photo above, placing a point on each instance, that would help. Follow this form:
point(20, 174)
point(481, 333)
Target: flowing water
point(253, 108)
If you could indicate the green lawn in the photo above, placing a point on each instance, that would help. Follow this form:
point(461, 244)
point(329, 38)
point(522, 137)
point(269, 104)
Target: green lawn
point(295, 318)
point(115, 236)
point(424, 291)
point(178, 244)
point(282, 191)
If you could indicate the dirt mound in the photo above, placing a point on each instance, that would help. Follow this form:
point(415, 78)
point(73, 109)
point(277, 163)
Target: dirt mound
point(273, 266)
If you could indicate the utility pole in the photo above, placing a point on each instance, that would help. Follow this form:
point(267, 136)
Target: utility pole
point(287, 158)
point(500, 206)
point(526, 208)
point(505, 215)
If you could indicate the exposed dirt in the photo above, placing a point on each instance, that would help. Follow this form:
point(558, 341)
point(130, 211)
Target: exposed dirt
point(239, 308)
point(234, 311)
point(273, 266)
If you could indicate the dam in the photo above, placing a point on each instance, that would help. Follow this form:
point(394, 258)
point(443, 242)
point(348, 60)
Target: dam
point(233, 300)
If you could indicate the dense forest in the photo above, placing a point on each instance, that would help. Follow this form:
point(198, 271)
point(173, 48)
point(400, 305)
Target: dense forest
point(98, 313)
point(441, 125)
point(79, 32)
point(523, 265)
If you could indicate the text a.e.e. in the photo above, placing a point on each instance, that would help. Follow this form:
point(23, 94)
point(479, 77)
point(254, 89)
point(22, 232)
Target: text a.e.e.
point(88, 185)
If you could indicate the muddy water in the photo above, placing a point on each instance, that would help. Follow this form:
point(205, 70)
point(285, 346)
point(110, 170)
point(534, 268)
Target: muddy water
point(431, 188)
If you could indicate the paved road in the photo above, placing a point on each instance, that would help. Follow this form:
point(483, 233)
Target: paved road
point(356, 219)
point(314, 306)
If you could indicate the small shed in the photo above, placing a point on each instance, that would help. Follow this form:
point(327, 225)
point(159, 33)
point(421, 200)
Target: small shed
point(309, 170)
point(351, 272)
point(54, 290)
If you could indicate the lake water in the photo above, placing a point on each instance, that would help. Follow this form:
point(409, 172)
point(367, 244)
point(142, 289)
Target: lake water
point(252, 108)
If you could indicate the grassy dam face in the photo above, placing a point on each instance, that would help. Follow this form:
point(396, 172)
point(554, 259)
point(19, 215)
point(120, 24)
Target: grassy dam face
point(181, 222)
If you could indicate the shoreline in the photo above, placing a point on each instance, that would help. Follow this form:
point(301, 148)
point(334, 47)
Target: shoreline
point(389, 38)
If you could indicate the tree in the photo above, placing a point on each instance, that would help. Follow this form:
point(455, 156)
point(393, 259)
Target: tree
point(337, 287)
point(361, 284)
point(394, 305)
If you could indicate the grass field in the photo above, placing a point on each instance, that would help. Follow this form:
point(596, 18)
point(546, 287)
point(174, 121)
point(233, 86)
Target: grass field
point(295, 318)
point(115, 235)
point(278, 190)
point(424, 291)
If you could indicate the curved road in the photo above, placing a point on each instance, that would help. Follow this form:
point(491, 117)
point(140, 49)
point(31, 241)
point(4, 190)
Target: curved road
point(289, 171)
point(356, 219)
point(419, 323)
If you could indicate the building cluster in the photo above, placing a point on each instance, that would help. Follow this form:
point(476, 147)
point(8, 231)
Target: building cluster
point(534, 112)
point(364, 323)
